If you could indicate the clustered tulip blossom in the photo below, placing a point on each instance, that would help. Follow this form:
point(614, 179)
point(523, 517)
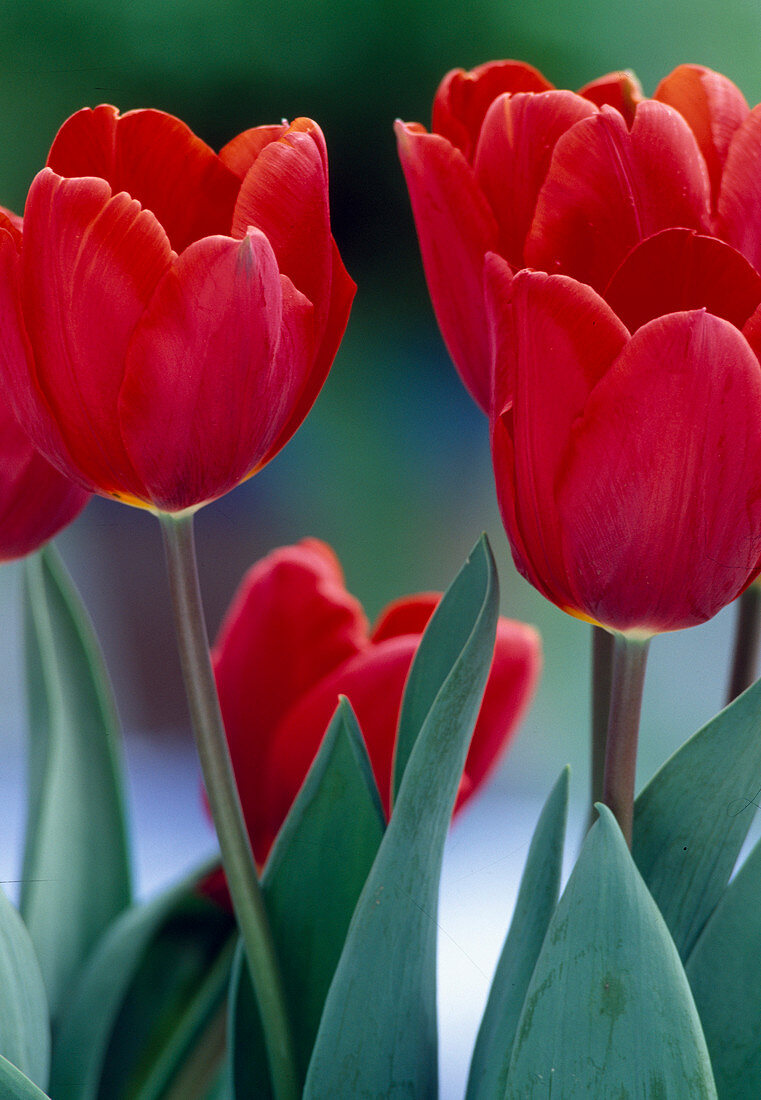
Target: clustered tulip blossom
point(169, 314)
point(593, 259)
point(294, 639)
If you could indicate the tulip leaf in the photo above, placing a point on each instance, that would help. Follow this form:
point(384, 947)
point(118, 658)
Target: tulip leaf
point(24, 1022)
point(724, 969)
point(76, 872)
point(15, 1085)
point(151, 992)
point(377, 1036)
point(691, 819)
point(537, 898)
point(608, 1010)
point(311, 884)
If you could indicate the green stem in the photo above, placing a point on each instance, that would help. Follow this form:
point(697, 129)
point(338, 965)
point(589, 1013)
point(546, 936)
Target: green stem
point(747, 637)
point(629, 661)
point(602, 678)
point(222, 792)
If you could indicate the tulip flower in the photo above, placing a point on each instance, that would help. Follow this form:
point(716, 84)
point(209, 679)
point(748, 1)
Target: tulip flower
point(570, 183)
point(294, 639)
point(170, 314)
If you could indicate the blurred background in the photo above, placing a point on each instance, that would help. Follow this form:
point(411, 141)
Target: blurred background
point(392, 465)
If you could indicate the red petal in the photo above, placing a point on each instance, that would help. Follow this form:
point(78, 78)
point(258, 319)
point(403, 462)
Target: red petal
point(512, 680)
point(608, 188)
point(679, 270)
point(408, 615)
point(342, 290)
point(157, 160)
point(213, 370)
point(456, 229)
point(463, 98)
point(739, 205)
point(90, 264)
point(291, 623)
point(621, 90)
point(660, 503)
point(561, 338)
point(373, 681)
point(514, 150)
point(240, 153)
point(35, 500)
point(285, 194)
point(713, 106)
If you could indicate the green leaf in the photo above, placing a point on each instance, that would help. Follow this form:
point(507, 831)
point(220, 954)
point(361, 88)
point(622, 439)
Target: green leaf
point(311, 884)
point(150, 989)
point(24, 1023)
point(537, 898)
point(76, 875)
point(608, 1010)
point(14, 1085)
point(691, 819)
point(377, 1036)
point(724, 969)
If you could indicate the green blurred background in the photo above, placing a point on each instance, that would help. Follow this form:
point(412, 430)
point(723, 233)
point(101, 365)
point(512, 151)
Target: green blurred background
point(392, 466)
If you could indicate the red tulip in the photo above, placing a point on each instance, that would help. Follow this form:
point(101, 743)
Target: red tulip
point(570, 183)
point(627, 447)
point(170, 314)
point(294, 639)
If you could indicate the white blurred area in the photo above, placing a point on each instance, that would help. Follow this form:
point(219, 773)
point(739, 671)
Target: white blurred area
point(488, 843)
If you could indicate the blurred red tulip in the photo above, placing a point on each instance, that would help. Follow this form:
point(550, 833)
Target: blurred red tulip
point(294, 639)
point(170, 314)
point(570, 183)
point(627, 448)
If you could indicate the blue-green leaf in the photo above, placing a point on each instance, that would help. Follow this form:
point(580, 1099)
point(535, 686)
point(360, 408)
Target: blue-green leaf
point(377, 1036)
point(76, 876)
point(15, 1085)
point(537, 898)
point(608, 1010)
point(24, 1022)
point(311, 883)
point(724, 969)
point(691, 819)
point(153, 983)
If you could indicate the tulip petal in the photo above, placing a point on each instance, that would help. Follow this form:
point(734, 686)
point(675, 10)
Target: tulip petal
point(621, 90)
point(739, 204)
point(35, 500)
point(285, 195)
point(609, 188)
point(679, 270)
point(157, 160)
point(456, 228)
point(657, 536)
point(713, 106)
point(408, 615)
point(213, 370)
point(559, 339)
point(240, 153)
point(90, 263)
point(463, 98)
point(292, 623)
point(514, 151)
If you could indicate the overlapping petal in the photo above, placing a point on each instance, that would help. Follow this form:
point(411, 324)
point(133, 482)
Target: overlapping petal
point(609, 188)
point(621, 90)
point(660, 499)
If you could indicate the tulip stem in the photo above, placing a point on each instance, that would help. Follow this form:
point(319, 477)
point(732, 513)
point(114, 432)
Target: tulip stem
point(629, 662)
point(747, 637)
point(602, 678)
point(237, 859)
